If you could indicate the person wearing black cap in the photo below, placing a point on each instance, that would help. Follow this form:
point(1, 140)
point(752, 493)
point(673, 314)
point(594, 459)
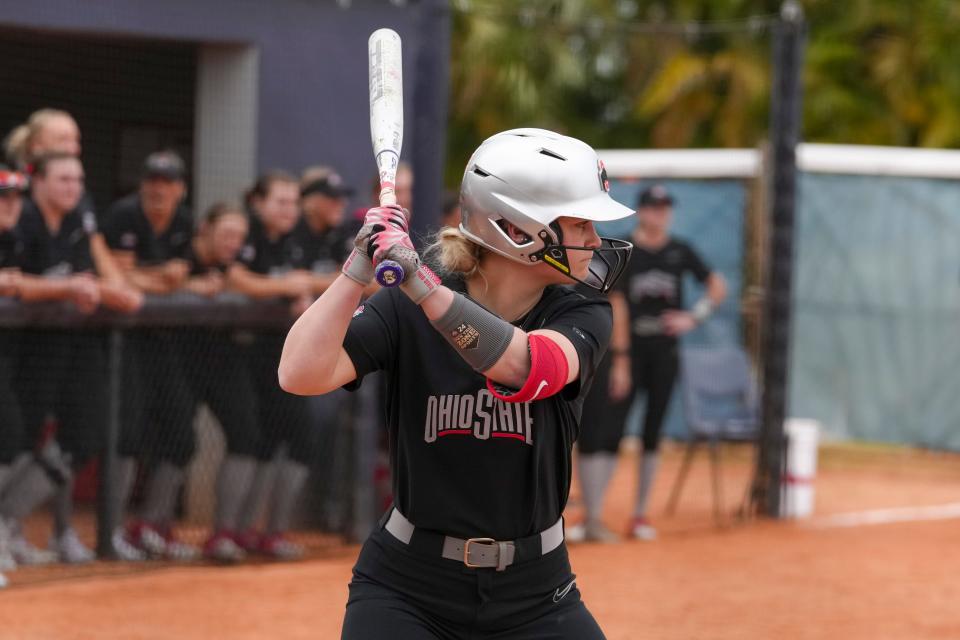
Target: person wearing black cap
point(323, 241)
point(648, 320)
point(150, 232)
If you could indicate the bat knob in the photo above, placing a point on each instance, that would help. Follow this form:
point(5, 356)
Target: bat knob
point(389, 273)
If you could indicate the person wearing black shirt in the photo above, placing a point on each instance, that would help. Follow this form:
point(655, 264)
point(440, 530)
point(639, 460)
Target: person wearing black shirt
point(272, 265)
point(62, 373)
point(149, 232)
point(218, 375)
point(652, 291)
point(322, 241)
point(12, 186)
point(487, 372)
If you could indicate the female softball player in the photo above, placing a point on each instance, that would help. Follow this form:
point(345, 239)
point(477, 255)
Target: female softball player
point(12, 187)
point(268, 267)
point(486, 377)
point(59, 373)
point(646, 358)
point(229, 394)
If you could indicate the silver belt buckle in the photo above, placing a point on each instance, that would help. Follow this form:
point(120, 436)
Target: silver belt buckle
point(466, 550)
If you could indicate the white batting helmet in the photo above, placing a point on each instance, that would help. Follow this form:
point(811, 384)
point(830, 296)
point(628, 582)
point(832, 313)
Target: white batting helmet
point(529, 178)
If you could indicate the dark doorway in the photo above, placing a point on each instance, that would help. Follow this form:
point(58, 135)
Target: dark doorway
point(130, 97)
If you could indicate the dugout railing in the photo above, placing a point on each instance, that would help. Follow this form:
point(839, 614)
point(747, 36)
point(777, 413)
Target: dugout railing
point(349, 465)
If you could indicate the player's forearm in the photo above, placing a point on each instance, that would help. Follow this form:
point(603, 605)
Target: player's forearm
point(120, 297)
point(308, 364)
point(255, 285)
point(509, 367)
point(107, 267)
point(620, 336)
point(716, 288)
point(320, 283)
point(39, 289)
point(501, 352)
point(149, 281)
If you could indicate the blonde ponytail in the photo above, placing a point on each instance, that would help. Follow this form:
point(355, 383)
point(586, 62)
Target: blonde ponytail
point(455, 253)
point(17, 145)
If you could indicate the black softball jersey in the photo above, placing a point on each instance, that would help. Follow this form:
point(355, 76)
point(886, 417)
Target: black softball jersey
point(653, 282)
point(465, 463)
point(320, 252)
point(128, 229)
point(11, 249)
point(56, 253)
point(264, 255)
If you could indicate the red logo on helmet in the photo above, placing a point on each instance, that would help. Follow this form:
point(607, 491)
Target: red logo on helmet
point(602, 171)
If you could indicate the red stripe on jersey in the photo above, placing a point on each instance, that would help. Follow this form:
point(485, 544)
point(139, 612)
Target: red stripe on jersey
point(456, 431)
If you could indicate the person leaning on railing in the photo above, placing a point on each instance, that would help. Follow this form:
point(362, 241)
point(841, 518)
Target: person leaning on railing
point(268, 268)
point(59, 373)
point(218, 376)
point(149, 233)
point(12, 186)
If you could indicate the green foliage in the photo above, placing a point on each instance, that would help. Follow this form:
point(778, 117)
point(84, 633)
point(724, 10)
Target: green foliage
point(640, 73)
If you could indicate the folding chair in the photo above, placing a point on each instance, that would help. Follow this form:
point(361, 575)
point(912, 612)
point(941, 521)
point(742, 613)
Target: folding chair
point(720, 403)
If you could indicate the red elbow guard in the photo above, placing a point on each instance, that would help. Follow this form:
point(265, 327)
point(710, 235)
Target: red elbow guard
point(548, 372)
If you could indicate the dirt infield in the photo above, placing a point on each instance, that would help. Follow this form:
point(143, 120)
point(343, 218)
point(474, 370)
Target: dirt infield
point(754, 580)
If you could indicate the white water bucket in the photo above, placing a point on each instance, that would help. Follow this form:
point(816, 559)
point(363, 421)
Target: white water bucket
point(798, 484)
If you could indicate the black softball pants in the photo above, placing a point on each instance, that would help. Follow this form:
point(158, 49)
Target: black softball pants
point(63, 373)
point(11, 417)
point(219, 376)
point(603, 420)
point(402, 594)
point(283, 417)
point(157, 404)
point(655, 364)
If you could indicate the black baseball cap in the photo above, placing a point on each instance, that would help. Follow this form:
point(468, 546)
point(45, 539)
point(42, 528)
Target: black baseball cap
point(164, 164)
point(330, 185)
point(654, 196)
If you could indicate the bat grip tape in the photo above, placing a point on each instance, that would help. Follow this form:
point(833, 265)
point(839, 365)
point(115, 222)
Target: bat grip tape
point(480, 337)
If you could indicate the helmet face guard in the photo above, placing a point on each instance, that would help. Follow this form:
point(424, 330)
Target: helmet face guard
point(609, 262)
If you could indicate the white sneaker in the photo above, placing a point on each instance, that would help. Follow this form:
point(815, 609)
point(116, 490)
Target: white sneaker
point(70, 549)
point(221, 547)
point(596, 532)
point(123, 549)
point(181, 551)
point(575, 533)
point(3, 581)
point(27, 554)
point(152, 542)
point(590, 532)
point(279, 547)
point(7, 562)
point(641, 529)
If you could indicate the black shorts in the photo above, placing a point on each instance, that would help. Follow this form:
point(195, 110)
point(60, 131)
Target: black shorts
point(11, 417)
point(402, 594)
point(603, 420)
point(283, 417)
